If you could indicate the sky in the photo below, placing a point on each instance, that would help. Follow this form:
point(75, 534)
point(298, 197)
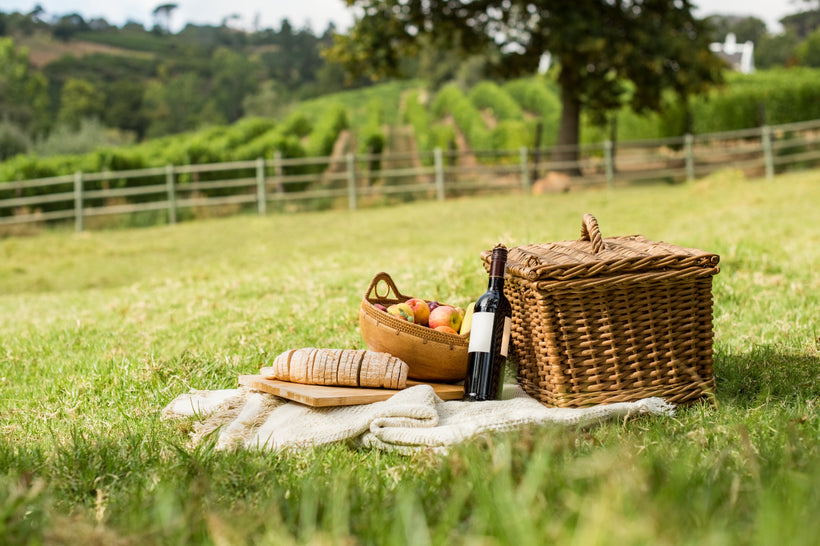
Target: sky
point(316, 14)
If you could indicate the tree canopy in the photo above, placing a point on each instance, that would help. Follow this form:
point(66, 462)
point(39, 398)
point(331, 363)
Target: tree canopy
point(608, 52)
point(23, 97)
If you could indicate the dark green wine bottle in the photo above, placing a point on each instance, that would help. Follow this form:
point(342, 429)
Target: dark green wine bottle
point(489, 335)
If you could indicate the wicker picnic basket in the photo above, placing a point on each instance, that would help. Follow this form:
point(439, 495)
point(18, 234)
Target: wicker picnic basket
point(616, 319)
point(430, 355)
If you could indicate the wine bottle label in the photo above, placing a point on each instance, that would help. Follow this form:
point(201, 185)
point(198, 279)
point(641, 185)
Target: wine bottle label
point(481, 332)
point(505, 342)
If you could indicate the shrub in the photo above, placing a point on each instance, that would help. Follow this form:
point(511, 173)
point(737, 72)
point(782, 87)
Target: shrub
point(13, 140)
point(372, 137)
point(773, 97)
point(513, 134)
point(266, 144)
point(89, 135)
point(416, 114)
point(297, 124)
point(451, 100)
point(332, 121)
point(539, 97)
point(488, 95)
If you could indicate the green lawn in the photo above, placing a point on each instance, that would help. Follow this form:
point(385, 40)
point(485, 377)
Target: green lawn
point(99, 330)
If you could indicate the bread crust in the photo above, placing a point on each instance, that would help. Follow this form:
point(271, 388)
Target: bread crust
point(340, 367)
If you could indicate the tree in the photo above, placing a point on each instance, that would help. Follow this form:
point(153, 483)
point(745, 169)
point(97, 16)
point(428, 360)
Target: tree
point(808, 52)
point(609, 52)
point(803, 23)
point(123, 106)
point(68, 25)
point(178, 105)
point(79, 100)
point(234, 77)
point(23, 92)
point(745, 29)
point(162, 16)
point(777, 50)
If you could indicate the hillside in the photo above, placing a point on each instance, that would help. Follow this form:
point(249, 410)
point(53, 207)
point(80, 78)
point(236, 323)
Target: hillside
point(140, 85)
point(44, 49)
point(488, 116)
point(148, 83)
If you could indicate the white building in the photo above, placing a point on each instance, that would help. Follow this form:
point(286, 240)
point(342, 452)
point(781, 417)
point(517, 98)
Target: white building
point(739, 56)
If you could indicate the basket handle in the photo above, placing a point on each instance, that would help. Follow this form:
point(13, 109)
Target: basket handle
point(373, 289)
point(591, 232)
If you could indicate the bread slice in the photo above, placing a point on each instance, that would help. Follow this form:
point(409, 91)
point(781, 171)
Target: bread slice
point(341, 367)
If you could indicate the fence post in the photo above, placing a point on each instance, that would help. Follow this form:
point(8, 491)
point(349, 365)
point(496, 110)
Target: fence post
point(78, 201)
point(261, 194)
point(278, 171)
point(689, 155)
point(351, 181)
point(608, 166)
point(768, 159)
point(172, 194)
point(439, 164)
point(525, 169)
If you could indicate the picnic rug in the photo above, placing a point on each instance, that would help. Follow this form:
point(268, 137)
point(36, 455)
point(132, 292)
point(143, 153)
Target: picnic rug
point(413, 419)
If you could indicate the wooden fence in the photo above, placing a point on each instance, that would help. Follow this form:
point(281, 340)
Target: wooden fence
point(174, 192)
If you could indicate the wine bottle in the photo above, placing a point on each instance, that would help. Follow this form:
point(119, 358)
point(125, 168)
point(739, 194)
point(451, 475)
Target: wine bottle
point(489, 335)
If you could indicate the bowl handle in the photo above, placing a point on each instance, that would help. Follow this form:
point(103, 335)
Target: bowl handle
point(373, 291)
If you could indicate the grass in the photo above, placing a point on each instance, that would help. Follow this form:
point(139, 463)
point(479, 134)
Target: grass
point(99, 330)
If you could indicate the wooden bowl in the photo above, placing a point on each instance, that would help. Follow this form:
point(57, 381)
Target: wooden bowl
point(430, 355)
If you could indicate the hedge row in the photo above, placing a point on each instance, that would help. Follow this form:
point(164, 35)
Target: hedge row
point(489, 96)
point(510, 133)
point(539, 97)
point(430, 134)
point(773, 97)
point(770, 97)
point(250, 138)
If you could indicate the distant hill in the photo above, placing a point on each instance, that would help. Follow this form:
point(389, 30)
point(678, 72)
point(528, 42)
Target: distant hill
point(44, 49)
point(150, 83)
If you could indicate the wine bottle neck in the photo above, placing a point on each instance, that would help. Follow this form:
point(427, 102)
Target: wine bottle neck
point(498, 265)
point(499, 262)
point(496, 283)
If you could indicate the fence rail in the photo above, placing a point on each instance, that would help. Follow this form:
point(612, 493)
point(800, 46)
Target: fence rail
point(360, 180)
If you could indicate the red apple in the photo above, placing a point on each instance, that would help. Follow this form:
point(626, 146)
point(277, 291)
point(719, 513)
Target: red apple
point(445, 329)
point(445, 315)
point(380, 307)
point(421, 311)
point(402, 311)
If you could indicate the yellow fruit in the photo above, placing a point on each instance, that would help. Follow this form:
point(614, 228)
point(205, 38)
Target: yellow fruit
point(402, 311)
point(467, 322)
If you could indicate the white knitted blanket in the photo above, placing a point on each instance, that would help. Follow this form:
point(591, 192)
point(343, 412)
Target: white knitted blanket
point(415, 418)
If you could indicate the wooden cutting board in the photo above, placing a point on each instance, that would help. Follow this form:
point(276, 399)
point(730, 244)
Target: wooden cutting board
point(322, 396)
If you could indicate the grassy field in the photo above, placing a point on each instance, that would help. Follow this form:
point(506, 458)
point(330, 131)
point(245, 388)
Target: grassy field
point(100, 330)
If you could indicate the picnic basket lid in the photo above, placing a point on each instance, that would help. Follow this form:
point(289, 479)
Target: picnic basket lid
point(593, 256)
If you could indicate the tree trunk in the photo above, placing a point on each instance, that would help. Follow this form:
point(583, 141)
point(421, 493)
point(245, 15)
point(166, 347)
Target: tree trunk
point(566, 151)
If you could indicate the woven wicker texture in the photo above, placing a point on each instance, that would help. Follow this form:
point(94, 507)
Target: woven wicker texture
point(603, 320)
point(430, 355)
